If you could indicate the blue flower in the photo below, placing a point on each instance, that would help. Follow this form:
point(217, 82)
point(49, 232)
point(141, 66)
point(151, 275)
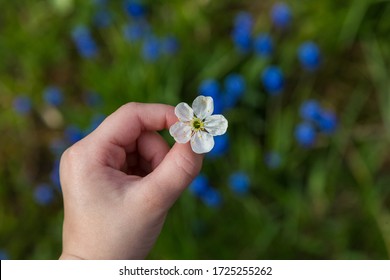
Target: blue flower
point(53, 96)
point(210, 87)
point(199, 185)
point(263, 45)
point(221, 146)
point(281, 15)
point(201, 188)
point(73, 134)
point(219, 104)
point(242, 30)
point(135, 8)
point(310, 110)
point(102, 18)
point(151, 49)
point(55, 174)
point(273, 80)
point(96, 121)
point(305, 134)
point(170, 45)
point(309, 55)
point(244, 21)
point(273, 160)
point(43, 194)
point(136, 31)
point(242, 39)
point(327, 122)
point(212, 198)
point(234, 89)
point(234, 84)
point(22, 105)
point(84, 42)
point(4, 255)
point(239, 183)
point(93, 99)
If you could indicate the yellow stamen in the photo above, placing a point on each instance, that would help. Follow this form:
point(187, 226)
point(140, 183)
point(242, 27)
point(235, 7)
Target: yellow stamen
point(197, 124)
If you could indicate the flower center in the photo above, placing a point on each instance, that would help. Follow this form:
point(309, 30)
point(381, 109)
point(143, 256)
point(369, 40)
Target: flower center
point(197, 124)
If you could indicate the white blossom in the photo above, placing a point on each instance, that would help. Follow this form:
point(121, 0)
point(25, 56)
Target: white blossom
point(198, 125)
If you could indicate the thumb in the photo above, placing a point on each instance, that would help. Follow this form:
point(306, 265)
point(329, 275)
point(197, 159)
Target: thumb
point(176, 171)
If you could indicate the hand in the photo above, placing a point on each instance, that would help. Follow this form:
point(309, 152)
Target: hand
point(120, 181)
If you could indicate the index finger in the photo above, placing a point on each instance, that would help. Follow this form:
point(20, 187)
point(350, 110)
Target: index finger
point(125, 125)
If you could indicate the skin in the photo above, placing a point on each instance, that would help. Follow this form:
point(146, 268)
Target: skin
point(119, 183)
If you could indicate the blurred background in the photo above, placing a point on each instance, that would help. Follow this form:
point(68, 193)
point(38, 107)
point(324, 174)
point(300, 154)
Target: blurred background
point(304, 170)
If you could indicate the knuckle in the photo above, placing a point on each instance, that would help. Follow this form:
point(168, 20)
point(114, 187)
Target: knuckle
point(134, 107)
point(72, 153)
point(74, 170)
point(73, 156)
point(129, 106)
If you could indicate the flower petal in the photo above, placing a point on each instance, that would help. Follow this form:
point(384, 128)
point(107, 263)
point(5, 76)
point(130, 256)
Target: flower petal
point(216, 125)
point(202, 142)
point(203, 106)
point(181, 132)
point(184, 112)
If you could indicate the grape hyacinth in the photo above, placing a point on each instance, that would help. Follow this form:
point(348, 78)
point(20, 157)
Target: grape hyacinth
point(305, 134)
point(327, 122)
point(139, 30)
point(316, 119)
point(93, 99)
point(97, 119)
point(84, 42)
point(22, 105)
point(201, 188)
point(309, 56)
point(43, 194)
point(151, 49)
point(55, 174)
point(239, 183)
point(53, 96)
point(221, 146)
point(199, 185)
point(281, 15)
point(102, 18)
point(242, 31)
point(310, 110)
point(263, 45)
point(135, 8)
point(136, 31)
point(234, 89)
point(212, 198)
point(210, 87)
point(273, 80)
point(170, 45)
point(73, 134)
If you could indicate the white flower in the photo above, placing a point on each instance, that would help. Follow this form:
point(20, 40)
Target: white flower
point(198, 125)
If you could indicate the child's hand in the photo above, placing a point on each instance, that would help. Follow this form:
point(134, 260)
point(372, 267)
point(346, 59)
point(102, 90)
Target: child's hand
point(119, 183)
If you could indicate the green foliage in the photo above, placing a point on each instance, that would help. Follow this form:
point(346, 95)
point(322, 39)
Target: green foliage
point(330, 201)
